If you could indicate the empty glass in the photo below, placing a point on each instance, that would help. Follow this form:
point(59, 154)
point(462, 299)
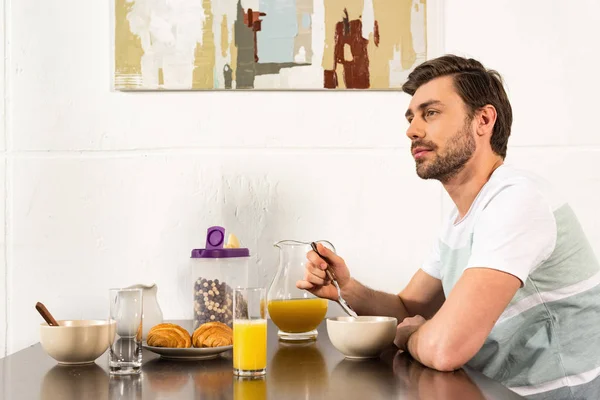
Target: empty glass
point(125, 351)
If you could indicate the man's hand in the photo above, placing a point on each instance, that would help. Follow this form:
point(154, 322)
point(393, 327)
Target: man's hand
point(315, 278)
point(406, 328)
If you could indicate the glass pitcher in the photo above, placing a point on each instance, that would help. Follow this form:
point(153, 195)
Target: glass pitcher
point(296, 312)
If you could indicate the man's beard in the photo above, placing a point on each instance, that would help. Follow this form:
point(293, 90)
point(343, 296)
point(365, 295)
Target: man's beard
point(443, 167)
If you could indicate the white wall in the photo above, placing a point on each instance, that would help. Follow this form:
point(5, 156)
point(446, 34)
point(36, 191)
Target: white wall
point(3, 270)
point(108, 189)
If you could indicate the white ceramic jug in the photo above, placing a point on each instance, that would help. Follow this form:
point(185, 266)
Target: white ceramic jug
point(151, 314)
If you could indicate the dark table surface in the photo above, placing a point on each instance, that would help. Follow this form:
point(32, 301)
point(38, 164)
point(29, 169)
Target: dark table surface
point(313, 370)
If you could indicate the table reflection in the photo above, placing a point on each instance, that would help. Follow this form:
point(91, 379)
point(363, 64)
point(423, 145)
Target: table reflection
point(249, 388)
point(165, 376)
point(74, 382)
point(125, 387)
point(298, 368)
point(213, 379)
point(208, 379)
point(367, 378)
point(419, 382)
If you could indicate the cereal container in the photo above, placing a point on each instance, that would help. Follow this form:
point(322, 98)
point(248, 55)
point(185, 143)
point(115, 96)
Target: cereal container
point(216, 271)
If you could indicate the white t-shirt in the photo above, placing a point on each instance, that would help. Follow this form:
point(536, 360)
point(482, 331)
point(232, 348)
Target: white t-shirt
point(509, 227)
point(549, 335)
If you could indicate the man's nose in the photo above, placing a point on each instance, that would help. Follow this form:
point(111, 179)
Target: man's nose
point(415, 130)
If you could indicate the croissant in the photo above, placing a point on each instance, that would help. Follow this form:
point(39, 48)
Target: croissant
point(212, 334)
point(169, 335)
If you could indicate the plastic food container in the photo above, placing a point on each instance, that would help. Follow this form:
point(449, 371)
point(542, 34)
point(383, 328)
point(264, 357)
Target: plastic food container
point(216, 271)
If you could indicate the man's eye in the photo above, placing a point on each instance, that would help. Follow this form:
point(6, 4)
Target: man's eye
point(430, 113)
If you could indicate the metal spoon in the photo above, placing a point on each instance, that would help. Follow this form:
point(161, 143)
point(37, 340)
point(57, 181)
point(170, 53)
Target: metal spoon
point(329, 273)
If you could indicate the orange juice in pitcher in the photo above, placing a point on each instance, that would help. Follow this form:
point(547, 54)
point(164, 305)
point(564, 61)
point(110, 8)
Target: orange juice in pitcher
point(296, 312)
point(297, 315)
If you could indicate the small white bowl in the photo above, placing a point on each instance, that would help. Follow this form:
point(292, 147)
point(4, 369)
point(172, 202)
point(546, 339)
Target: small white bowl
point(361, 337)
point(76, 341)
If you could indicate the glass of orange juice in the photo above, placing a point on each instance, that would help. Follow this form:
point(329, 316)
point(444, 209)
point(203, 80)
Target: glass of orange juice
point(249, 332)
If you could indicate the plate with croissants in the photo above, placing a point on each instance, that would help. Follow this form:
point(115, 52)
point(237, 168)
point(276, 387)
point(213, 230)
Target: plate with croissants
point(175, 342)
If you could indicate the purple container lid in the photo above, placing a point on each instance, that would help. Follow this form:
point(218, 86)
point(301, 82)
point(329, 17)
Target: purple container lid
point(215, 238)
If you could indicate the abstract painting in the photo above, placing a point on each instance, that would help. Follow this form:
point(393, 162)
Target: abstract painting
point(267, 44)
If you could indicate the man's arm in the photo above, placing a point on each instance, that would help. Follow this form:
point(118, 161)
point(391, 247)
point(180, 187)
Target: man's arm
point(515, 233)
point(422, 296)
point(457, 332)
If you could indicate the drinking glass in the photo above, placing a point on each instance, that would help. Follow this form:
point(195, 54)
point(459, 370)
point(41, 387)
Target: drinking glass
point(125, 351)
point(249, 332)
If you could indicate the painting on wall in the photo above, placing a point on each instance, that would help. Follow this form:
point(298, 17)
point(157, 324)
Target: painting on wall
point(270, 44)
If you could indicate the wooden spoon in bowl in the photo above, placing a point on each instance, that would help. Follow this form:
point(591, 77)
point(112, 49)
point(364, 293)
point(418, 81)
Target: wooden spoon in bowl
point(46, 314)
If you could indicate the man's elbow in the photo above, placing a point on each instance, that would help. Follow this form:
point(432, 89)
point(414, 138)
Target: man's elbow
point(445, 352)
point(448, 357)
point(447, 360)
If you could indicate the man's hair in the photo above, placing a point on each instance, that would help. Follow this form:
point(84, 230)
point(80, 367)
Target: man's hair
point(476, 86)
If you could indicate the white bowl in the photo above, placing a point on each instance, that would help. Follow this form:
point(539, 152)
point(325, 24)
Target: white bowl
point(78, 341)
point(361, 337)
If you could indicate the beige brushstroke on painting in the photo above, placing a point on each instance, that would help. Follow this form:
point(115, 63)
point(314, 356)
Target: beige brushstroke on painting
point(424, 5)
point(394, 20)
point(128, 47)
point(204, 55)
point(233, 50)
point(161, 77)
point(224, 36)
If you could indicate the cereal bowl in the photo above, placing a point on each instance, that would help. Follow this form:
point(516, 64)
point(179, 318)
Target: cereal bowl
point(363, 336)
point(76, 341)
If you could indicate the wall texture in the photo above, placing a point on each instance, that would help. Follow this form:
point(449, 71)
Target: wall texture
point(107, 189)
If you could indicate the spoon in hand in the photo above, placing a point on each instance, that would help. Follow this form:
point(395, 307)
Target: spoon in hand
point(329, 273)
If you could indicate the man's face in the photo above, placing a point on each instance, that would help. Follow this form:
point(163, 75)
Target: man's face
point(440, 130)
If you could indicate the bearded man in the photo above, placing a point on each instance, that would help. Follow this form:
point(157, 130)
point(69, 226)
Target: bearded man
point(511, 287)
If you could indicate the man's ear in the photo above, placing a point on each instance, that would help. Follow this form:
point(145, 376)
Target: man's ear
point(486, 119)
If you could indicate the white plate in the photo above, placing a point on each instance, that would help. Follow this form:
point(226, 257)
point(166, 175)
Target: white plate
point(191, 353)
